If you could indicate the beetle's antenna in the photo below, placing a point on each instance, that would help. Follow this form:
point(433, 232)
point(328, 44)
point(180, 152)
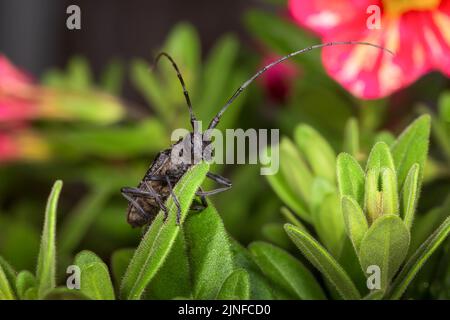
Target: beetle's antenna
point(216, 119)
point(180, 77)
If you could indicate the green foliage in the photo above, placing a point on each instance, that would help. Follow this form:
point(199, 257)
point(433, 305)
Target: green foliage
point(95, 280)
point(324, 262)
point(158, 240)
point(210, 256)
point(289, 273)
point(377, 206)
point(236, 286)
point(46, 265)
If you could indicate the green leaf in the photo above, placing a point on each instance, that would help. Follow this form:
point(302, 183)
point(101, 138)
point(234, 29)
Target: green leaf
point(323, 261)
point(419, 258)
point(274, 233)
point(46, 265)
point(119, 262)
point(159, 239)
point(6, 292)
point(380, 157)
point(389, 192)
point(236, 286)
point(112, 77)
point(149, 86)
point(410, 195)
point(9, 271)
point(290, 217)
point(79, 76)
point(385, 245)
point(444, 106)
point(412, 147)
point(350, 178)
point(95, 280)
point(173, 279)
point(283, 36)
point(355, 221)
point(77, 223)
point(294, 179)
point(216, 76)
point(351, 138)
point(24, 281)
point(260, 288)
point(372, 195)
point(286, 271)
point(317, 151)
point(210, 256)
point(329, 223)
point(62, 293)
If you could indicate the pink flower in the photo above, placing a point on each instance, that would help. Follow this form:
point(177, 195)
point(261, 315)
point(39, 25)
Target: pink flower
point(277, 80)
point(16, 92)
point(417, 31)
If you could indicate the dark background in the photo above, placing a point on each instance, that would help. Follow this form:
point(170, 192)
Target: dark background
point(33, 33)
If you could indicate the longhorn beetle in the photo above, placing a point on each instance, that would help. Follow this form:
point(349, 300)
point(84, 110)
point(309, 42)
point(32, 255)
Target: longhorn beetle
point(149, 196)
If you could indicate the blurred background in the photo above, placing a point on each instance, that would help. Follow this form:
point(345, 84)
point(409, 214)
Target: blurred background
point(84, 106)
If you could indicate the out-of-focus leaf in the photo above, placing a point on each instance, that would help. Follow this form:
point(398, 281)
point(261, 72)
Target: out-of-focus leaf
point(79, 75)
point(285, 270)
point(146, 82)
point(324, 262)
point(385, 245)
point(158, 240)
point(236, 286)
point(24, 281)
point(425, 224)
point(112, 77)
point(210, 256)
point(283, 36)
point(46, 265)
point(95, 281)
point(317, 151)
point(418, 260)
point(216, 76)
point(351, 138)
point(119, 263)
point(289, 216)
point(274, 232)
point(293, 181)
point(78, 222)
point(412, 147)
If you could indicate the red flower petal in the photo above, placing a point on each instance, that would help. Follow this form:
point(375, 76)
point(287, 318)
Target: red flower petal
point(326, 17)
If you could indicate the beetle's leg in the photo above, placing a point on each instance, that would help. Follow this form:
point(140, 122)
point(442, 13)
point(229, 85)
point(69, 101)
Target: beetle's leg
point(203, 199)
point(203, 205)
point(156, 196)
point(125, 193)
point(161, 178)
point(150, 194)
point(175, 199)
point(220, 180)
